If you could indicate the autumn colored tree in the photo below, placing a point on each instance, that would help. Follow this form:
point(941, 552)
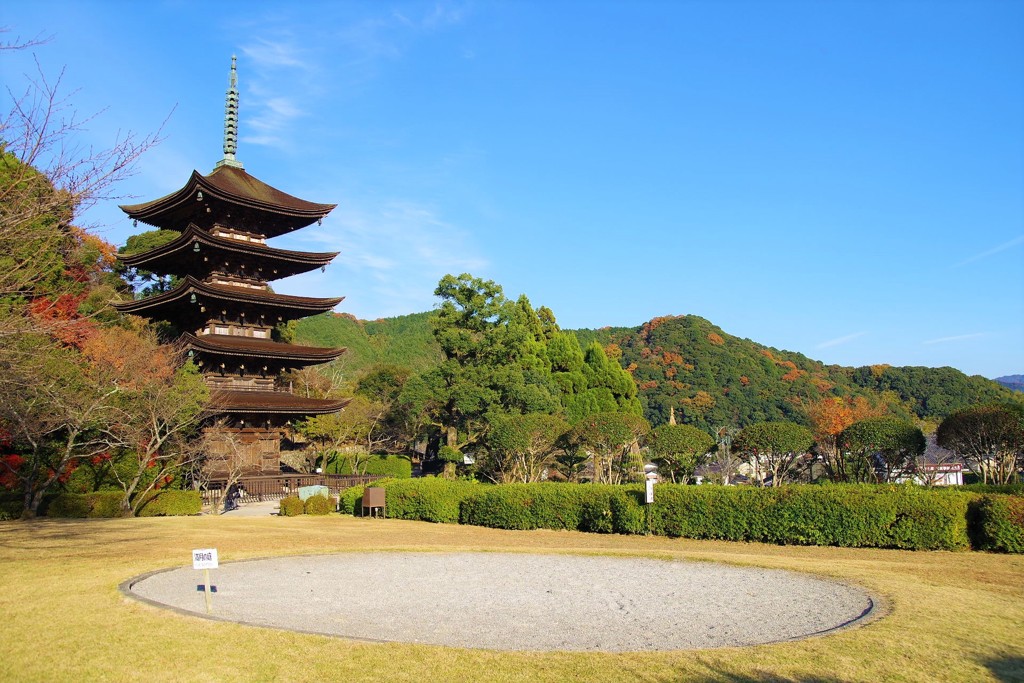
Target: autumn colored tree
point(880, 448)
point(990, 438)
point(523, 447)
point(772, 448)
point(57, 410)
point(829, 417)
point(158, 408)
point(45, 180)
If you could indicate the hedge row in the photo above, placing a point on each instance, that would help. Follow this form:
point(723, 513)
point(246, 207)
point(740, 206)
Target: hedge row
point(393, 466)
point(172, 504)
point(906, 517)
point(428, 499)
point(105, 504)
point(998, 524)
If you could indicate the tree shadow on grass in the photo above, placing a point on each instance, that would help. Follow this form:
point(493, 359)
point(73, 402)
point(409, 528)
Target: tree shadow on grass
point(715, 675)
point(1006, 668)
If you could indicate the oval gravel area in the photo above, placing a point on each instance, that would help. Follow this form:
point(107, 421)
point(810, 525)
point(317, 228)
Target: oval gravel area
point(508, 601)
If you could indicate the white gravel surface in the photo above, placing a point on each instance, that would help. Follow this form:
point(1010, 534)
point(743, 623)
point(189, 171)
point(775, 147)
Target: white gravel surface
point(507, 601)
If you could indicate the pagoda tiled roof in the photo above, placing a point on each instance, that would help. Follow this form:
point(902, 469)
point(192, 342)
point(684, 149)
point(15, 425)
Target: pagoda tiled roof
point(273, 402)
point(231, 185)
point(162, 259)
point(304, 305)
point(252, 347)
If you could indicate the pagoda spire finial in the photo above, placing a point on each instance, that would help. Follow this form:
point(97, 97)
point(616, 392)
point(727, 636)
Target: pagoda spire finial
point(231, 120)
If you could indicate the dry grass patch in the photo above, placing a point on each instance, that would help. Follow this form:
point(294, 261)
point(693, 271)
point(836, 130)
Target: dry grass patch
point(953, 616)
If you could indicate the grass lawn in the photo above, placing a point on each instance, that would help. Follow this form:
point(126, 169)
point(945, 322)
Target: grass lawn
point(951, 616)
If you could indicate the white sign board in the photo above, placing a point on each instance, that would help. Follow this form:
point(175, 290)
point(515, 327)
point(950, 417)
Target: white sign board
point(205, 558)
point(650, 491)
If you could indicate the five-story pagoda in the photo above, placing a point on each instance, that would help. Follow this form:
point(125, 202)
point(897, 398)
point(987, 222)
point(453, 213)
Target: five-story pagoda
point(223, 305)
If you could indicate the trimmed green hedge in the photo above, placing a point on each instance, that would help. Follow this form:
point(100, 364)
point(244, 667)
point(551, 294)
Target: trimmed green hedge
point(999, 523)
point(429, 499)
point(108, 504)
point(96, 504)
point(883, 516)
point(1010, 489)
point(393, 466)
point(848, 516)
point(351, 500)
point(597, 508)
point(11, 505)
point(172, 504)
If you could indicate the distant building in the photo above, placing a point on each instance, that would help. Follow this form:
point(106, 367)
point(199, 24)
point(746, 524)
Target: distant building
point(223, 306)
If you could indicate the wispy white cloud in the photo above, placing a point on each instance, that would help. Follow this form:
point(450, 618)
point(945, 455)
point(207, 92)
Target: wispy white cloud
point(958, 337)
point(392, 255)
point(839, 341)
point(274, 78)
point(440, 15)
point(1016, 241)
point(275, 54)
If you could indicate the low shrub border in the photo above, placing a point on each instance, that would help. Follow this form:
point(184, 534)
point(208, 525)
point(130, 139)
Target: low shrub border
point(998, 523)
point(291, 507)
point(855, 515)
point(100, 504)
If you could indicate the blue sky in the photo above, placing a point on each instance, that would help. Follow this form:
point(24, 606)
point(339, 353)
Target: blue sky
point(842, 179)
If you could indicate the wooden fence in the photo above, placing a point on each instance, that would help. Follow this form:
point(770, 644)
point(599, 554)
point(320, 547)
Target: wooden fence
point(276, 486)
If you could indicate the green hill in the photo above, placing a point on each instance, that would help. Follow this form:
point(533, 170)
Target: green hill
point(714, 378)
point(710, 377)
point(405, 340)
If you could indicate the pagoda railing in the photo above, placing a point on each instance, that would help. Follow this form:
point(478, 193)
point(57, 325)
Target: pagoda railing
point(248, 387)
point(257, 488)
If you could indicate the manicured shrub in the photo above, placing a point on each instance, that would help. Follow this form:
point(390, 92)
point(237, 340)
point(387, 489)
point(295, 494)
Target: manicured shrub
point(1009, 489)
point(596, 514)
point(319, 505)
point(291, 506)
point(849, 516)
point(351, 500)
point(999, 523)
point(428, 499)
point(392, 466)
point(526, 506)
point(11, 505)
point(172, 504)
point(629, 512)
point(97, 504)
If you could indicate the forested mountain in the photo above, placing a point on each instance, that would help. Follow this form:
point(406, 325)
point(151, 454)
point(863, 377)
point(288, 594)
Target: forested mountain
point(1014, 382)
point(405, 340)
point(716, 379)
point(709, 377)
